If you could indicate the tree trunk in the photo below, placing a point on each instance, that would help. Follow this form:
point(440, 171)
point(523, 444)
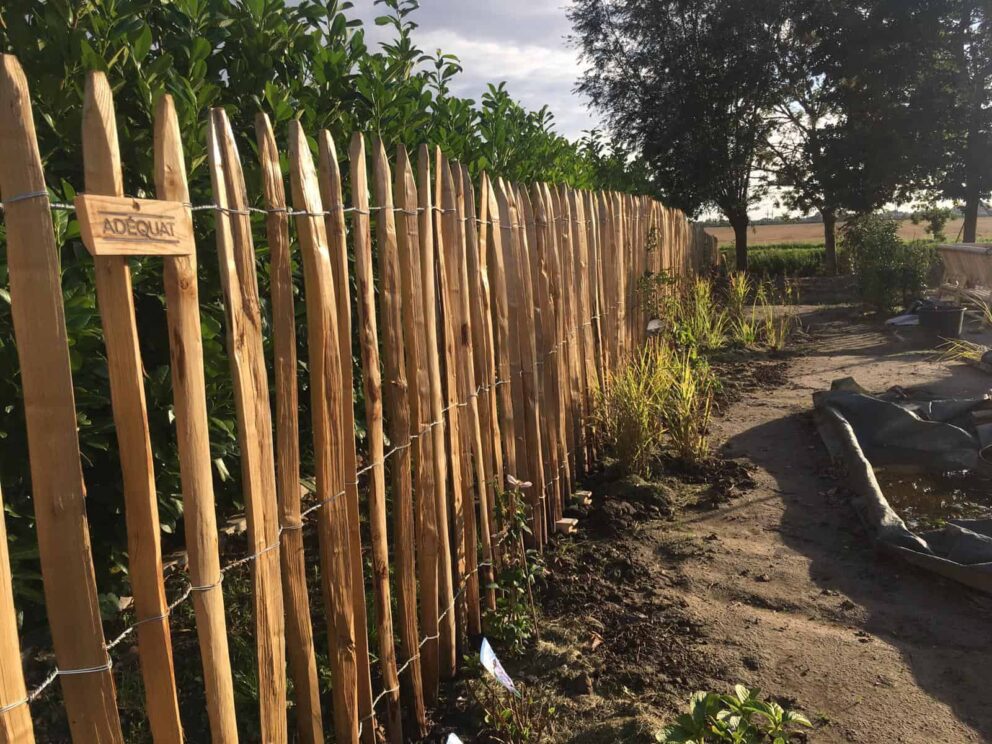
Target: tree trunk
point(829, 240)
point(972, 200)
point(739, 222)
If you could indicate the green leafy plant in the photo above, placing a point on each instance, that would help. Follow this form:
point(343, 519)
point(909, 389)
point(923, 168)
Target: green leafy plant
point(514, 621)
point(741, 718)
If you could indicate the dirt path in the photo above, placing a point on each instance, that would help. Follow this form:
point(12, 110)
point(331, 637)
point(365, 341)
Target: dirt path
point(792, 595)
point(777, 585)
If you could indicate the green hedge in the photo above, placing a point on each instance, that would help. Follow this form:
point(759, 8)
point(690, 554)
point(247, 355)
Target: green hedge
point(776, 259)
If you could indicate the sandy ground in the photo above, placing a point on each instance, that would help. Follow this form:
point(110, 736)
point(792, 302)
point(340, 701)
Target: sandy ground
point(813, 232)
point(797, 600)
point(757, 570)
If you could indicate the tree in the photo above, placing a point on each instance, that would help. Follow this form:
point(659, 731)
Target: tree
point(966, 172)
point(691, 83)
point(799, 154)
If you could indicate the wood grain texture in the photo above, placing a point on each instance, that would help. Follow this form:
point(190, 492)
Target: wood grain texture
point(396, 402)
point(115, 300)
point(434, 350)
point(236, 259)
point(446, 227)
point(15, 723)
point(368, 338)
point(419, 402)
point(296, 600)
point(53, 444)
point(331, 193)
point(327, 392)
point(182, 305)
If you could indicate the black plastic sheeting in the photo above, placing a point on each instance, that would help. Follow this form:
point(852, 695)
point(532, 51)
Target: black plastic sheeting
point(902, 431)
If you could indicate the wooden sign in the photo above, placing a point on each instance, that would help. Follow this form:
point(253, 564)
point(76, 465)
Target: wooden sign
point(122, 226)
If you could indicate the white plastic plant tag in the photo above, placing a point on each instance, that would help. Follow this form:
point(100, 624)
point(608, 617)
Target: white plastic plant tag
point(452, 739)
point(488, 658)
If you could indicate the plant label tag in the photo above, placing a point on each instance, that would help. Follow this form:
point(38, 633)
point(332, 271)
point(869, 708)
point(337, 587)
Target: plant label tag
point(122, 226)
point(452, 739)
point(488, 658)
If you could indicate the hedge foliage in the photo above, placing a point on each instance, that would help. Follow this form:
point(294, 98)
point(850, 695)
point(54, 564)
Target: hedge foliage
point(302, 59)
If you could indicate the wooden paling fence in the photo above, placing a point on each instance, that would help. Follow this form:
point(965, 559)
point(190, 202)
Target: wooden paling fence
point(487, 320)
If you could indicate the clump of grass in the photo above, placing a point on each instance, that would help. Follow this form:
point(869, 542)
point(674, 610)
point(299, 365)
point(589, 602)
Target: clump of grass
point(688, 408)
point(745, 330)
point(631, 406)
point(659, 399)
point(738, 291)
point(698, 320)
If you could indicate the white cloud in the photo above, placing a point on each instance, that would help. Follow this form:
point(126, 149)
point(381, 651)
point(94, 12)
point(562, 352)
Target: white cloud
point(521, 42)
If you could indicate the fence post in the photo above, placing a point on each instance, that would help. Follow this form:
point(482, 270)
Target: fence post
point(326, 394)
point(368, 336)
point(445, 235)
point(49, 405)
point(418, 400)
point(446, 593)
point(529, 361)
point(102, 166)
point(499, 308)
point(482, 334)
point(236, 257)
point(15, 720)
point(182, 305)
point(331, 193)
point(396, 398)
point(468, 394)
point(296, 600)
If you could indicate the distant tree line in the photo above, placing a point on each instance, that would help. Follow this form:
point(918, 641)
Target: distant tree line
point(843, 105)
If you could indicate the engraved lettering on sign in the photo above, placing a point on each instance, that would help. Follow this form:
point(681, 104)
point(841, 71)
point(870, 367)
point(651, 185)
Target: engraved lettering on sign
point(120, 226)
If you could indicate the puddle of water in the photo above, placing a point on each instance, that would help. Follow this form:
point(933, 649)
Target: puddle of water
point(926, 501)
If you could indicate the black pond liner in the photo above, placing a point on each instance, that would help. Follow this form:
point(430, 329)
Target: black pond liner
point(897, 431)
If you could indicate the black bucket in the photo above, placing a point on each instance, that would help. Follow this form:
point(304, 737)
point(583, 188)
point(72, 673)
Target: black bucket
point(943, 321)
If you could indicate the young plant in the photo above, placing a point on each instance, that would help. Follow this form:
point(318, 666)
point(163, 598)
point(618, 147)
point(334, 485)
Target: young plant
point(514, 621)
point(741, 718)
point(525, 718)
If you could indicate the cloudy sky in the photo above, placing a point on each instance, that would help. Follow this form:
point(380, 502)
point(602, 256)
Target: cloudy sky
point(520, 41)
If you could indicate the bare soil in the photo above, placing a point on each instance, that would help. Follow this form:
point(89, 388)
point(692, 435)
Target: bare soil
point(758, 571)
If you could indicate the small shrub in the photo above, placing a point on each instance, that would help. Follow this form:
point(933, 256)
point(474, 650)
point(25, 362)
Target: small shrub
point(890, 273)
point(742, 718)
